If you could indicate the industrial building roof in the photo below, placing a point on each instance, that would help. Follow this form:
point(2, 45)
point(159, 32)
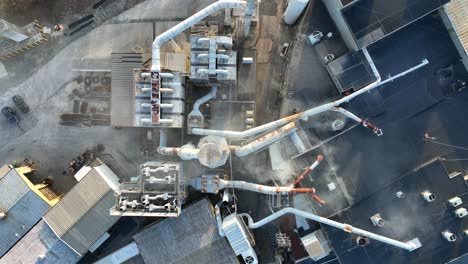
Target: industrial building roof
point(82, 216)
point(41, 245)
point(458, 12)
point(371, 20)
point(192, 237)
point(122, 90)
point(22, 206)
point(351, 72)
point(407, 218)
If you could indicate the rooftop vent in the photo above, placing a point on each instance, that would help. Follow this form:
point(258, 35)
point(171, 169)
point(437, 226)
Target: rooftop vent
point(377, 220)
point(400, 194)
point(461, 212)
point(428, 196)
point(450, 237)
point(2, 214)
point(362, 241)
point(455, 201)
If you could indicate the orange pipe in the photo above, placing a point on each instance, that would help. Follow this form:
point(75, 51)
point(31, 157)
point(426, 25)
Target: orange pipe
point(302, 190)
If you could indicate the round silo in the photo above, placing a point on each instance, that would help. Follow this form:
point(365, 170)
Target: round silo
point(294, 10)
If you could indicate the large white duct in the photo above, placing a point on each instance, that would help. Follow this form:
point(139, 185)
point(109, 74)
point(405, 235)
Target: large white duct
point(410, 245)
point(266, 140)
point(303, 115)
point(187, 23)
point(294, 10)
point(196, 106)
point(253, 187)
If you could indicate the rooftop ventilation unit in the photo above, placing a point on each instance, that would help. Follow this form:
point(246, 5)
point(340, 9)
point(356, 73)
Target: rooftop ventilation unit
point(428, 196)
point(455, 201)
point(362, 241)
point(461, 212)
point(377, 220)
point(450, 237)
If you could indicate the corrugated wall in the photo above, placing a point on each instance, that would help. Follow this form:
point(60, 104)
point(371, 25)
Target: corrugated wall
point(458, 12)
point(122, 88)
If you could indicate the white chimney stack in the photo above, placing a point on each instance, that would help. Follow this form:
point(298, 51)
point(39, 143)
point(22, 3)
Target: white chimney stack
point(450, 237)
point(428, 196)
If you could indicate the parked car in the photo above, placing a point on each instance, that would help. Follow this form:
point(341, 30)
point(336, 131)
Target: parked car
point(10, 115)
point(20, 103)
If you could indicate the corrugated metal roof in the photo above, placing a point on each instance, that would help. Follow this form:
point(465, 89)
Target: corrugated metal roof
point(82, 216)
point(191, 238)
point(40, 240)
point(12, 189)
point(458, 12)
point(122, 88)
point(235, 234)
point(21, 217)
point(92, 226)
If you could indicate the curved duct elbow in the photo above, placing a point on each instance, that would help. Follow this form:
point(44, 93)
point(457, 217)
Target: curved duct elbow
point(202, 72)
point(203, 56)
point(203, 40)
point(224, 73)
point(222, 57)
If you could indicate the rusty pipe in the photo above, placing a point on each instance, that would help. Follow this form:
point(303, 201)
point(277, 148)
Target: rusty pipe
point(253, 187)
point(266, 140)
point(302, 190)
point(307, 171)
point(318, 200)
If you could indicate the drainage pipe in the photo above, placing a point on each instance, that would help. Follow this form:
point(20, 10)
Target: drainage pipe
point(303, 115)
point(219, 220)
point(187, 23)
point(410, 246)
